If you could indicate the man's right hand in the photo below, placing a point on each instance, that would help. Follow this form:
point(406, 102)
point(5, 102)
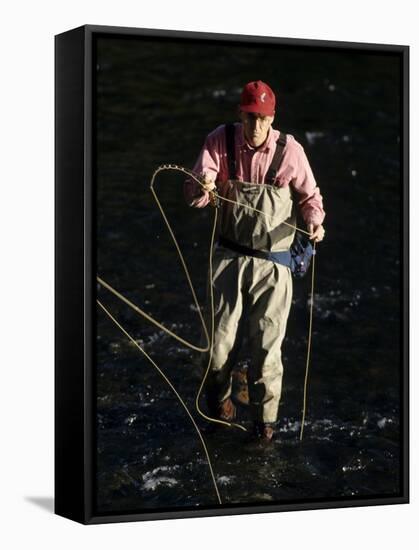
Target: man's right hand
point(207, 183)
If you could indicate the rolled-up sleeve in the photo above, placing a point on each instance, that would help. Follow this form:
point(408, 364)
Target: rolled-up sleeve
point(208, 163)
point(309, 198)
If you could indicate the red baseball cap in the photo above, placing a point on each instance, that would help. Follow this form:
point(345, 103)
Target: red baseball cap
point(257, 97)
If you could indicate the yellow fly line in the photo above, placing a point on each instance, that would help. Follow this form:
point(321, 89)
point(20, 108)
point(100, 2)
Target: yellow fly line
point(173, 389)
point(209, 338)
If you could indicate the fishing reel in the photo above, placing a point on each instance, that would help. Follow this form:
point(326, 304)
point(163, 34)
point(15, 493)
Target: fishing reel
point(214, 199)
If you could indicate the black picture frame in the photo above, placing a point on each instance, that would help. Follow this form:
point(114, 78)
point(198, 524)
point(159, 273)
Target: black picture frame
point(76, 286)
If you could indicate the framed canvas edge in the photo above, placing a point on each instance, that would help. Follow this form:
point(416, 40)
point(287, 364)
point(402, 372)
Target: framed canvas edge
point(199, 35)
point(69, 399)
point(88, 515)
point(245, 510)
point(90, 278)
point(405, 282)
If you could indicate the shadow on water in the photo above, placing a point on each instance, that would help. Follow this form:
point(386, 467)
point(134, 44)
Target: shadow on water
point(154, 107)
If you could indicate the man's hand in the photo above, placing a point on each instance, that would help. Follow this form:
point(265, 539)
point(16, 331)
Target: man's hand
point(201, 198)
point(316, 232)
point(207, 183)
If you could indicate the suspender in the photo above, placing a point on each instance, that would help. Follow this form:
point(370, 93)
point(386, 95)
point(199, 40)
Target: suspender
point(277, 158)
point(231, 151)
point(231, 155)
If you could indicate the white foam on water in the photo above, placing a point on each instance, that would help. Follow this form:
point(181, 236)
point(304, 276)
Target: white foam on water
point(354, 466)
point(383, 422)
point(152, 483)
point(152, 480)
point(225, 480)
point(290, 425)
point(131, 419)
point(312, 137)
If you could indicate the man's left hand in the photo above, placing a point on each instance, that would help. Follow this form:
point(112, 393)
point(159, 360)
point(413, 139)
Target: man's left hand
point(316, 232)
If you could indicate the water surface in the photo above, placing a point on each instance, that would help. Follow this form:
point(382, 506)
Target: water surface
point(156, 101)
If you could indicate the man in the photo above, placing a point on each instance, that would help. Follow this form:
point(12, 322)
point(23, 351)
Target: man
point(267, 175)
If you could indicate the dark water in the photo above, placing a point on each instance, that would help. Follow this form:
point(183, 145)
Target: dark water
point(156, 102)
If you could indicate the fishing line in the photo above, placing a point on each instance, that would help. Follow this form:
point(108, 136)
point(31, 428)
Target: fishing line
point(172, 234)
point(153, 321)
point(310, 332)
point(197, 178)
point(198, 431)
point(209, 339)
point(261, 212)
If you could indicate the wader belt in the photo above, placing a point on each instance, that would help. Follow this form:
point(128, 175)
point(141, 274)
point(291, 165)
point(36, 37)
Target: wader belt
point(283, 258)
point(231, 154)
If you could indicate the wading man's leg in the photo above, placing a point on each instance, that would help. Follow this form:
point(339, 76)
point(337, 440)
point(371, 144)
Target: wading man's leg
point(228, 306)
point(270, 299)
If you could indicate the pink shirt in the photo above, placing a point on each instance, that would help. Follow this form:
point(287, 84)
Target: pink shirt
point(252, 165)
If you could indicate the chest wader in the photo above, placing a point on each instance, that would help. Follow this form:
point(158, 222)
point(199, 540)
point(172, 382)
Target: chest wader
point(251, 290)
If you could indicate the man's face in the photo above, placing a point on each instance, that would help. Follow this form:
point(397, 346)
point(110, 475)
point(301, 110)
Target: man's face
point(256, 127)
